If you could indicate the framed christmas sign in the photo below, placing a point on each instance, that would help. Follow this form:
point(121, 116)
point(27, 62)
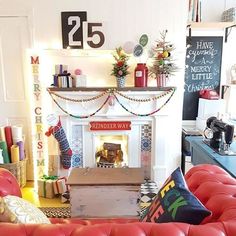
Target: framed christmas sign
point(73, 35)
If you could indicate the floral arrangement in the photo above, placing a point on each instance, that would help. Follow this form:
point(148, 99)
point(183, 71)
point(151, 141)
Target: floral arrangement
point(120, 67)
point(162, 60)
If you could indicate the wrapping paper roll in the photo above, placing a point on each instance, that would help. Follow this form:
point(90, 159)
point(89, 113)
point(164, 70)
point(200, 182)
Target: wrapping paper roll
point(20, 144)
point(8, 135)
point(15, 156)
point(15, 141)
point(1, 157)
point(3, 146)
point(2, 134)
point(17, 134)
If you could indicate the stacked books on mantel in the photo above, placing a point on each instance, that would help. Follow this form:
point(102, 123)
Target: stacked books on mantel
point(195, 11)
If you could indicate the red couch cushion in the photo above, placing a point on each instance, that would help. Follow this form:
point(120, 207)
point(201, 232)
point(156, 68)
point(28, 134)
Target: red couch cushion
point(8, 184)
point(216, 189)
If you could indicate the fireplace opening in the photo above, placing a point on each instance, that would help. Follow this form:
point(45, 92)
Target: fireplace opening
point(111, 150)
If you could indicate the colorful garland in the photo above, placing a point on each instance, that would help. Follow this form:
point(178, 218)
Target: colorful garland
point(147, 114)
point(111, 93)
point(146, 99)
point(78, 100)
point(80, 117)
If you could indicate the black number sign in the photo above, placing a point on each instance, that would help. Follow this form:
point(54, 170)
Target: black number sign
point(91, 33)
point(72, 31)
point(203, 68)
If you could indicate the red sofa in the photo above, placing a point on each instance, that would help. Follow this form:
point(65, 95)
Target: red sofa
point(212, 185)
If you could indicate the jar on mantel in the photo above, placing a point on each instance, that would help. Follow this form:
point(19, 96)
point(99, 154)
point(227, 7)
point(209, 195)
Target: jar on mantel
point(141, 75)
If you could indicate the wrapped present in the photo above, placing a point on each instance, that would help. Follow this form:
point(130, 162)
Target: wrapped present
point(45, 186)
point(59, 185)
point(65, 197)
point(54, 165)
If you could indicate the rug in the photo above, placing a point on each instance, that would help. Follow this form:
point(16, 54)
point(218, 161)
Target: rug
point(56, 212)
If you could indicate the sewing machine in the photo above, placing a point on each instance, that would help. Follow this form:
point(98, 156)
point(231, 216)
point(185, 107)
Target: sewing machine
point(219, 136)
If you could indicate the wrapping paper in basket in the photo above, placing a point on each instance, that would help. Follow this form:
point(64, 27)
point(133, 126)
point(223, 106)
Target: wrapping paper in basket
point(45, 186)
point(60, 186)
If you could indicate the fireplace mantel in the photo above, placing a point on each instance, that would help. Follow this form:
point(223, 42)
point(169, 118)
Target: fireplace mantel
point(141, 101)
point(97, 89)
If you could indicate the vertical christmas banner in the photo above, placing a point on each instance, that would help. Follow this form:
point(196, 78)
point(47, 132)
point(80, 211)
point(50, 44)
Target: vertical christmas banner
point(37, 129)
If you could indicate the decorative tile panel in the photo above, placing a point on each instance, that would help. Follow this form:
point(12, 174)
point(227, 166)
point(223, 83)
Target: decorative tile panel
point(77, 146)
point(146, 147)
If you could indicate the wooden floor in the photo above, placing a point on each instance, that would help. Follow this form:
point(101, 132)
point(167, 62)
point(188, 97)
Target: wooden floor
point(29, 194)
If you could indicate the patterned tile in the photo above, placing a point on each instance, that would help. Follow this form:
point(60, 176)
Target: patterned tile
point(146, 144)
point(146, 147)
point(77, 146)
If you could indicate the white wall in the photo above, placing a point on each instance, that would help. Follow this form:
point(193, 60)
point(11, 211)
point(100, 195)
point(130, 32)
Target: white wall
point(123, 21)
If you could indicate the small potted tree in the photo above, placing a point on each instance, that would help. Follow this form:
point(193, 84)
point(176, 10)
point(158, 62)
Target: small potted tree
point(120, 66)
point(163, 65)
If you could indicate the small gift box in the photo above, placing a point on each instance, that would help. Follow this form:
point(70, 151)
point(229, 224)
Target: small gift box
point(45, 186)
point(59, 185)
point(80, 81)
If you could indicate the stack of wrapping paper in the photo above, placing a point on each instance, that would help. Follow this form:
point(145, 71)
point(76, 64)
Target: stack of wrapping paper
point(12, 144)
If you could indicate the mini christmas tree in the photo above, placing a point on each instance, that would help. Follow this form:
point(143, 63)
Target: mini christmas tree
point(120, 67)
point(162, 60)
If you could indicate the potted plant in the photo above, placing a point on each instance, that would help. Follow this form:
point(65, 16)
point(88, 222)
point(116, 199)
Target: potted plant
point(163, 64)
point(120, 67)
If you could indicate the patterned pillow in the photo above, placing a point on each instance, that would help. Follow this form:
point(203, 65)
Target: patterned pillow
point(17, 210)
point(175, 203)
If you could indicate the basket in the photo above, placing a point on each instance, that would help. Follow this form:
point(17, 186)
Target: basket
point(229, 15)
point(18, 169)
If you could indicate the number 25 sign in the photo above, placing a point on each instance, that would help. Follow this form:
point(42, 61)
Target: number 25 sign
point(73, 34)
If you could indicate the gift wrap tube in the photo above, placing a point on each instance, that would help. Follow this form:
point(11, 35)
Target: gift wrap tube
point(17, 133)
point(3, 146)
point(2, 134)
point(20, 144)
point(15, 155)
point(45, 188)
point(1, 157)
point(8, 136)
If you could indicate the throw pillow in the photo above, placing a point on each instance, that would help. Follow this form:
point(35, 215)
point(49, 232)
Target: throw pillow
point(175, 203)
point(17, 210)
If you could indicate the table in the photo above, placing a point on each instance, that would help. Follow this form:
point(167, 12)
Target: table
point(187, 130)
point(201, 153)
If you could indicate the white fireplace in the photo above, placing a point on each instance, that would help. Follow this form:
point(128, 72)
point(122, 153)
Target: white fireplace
point(146, 143)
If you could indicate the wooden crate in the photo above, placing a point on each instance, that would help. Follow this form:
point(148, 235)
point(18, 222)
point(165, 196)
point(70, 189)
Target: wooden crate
point(100, 192)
